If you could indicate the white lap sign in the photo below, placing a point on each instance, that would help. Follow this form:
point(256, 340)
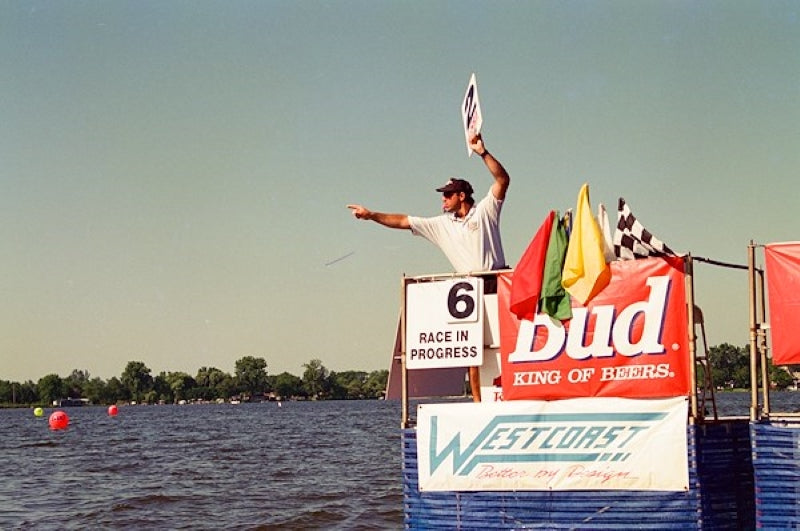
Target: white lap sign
point(471, 114)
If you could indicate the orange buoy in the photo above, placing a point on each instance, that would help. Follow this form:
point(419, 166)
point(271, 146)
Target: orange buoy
point(112, 410)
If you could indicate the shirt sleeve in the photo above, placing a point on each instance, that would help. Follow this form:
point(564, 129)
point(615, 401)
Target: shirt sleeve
point(428, 228)
point(491, 205)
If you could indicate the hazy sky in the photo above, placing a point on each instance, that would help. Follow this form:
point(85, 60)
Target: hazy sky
point(174, 174)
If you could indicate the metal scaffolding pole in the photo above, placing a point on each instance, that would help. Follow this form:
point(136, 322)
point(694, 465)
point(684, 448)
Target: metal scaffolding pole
point(406, 421)
point(751, 258)
point(688, 273)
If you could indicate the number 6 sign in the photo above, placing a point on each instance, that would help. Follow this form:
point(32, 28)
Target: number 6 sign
point(444, 323)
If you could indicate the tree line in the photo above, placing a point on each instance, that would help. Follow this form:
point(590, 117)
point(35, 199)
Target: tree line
point(250, 382)
point(730, 369)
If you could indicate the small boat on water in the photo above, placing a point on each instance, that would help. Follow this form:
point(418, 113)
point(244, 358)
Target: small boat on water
point(71, 402)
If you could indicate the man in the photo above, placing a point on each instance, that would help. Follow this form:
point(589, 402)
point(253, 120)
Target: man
point(467, 233)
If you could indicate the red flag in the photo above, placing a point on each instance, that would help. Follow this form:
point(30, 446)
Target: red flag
point(782, 262)
point(527, 285)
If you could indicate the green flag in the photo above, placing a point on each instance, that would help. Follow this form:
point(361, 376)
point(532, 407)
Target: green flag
point(554, 300)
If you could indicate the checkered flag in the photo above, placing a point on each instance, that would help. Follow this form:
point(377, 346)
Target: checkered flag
point(632, 240)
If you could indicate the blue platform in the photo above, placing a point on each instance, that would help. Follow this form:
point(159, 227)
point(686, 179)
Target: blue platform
point(720, 495)
point(776, 464)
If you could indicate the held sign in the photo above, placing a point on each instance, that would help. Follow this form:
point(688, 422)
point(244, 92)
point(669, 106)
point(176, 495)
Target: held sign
point(471, 115)
point(444, 323)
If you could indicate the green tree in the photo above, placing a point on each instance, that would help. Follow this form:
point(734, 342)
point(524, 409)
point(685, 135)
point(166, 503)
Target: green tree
point(137, 380)
point(780, 377)
point(348, 384)
point(27, 393)
point(334, 388)
point(226, 388)
point(17, 393)
point(181, 385)
point(251, 374)
point(95, 390)
point(209, 383)
point(115, 391)
point(51, 388)
point(7, 392)
point(150, 397)
point(209, 376)
point(741, 376)
point(730, 365)
point(375, 386)
point(162, 389)
point(315, 379)
point(287, 385)
point(76, 382)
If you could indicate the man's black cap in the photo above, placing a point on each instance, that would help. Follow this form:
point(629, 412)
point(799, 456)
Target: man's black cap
point(456, 185)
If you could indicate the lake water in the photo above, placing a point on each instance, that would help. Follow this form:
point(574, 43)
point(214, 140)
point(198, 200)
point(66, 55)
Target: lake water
point(331, 465)
point(304, 465)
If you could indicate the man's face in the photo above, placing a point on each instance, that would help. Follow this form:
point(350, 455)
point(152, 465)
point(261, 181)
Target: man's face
point(451, 201)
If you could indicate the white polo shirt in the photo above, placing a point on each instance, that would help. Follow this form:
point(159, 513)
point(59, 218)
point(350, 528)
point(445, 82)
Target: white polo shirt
point(471, 243)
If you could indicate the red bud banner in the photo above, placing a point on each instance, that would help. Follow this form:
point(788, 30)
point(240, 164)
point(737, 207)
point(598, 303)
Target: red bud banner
point(630, 341)
point(782, 261)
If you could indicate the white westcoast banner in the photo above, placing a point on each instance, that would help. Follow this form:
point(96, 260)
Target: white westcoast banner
point(573, 444)
point(444, 323)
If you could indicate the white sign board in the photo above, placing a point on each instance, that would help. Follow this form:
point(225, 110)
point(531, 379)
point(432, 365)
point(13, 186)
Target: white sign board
point(575, 444)
point(444, 323)
point(471, 114)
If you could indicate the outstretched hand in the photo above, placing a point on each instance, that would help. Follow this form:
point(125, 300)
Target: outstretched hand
point(359, 211)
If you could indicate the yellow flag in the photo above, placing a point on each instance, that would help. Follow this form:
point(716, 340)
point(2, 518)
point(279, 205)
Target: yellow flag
point(586, 272)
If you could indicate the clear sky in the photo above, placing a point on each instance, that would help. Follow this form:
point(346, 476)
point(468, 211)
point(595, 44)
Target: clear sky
point(174, 174)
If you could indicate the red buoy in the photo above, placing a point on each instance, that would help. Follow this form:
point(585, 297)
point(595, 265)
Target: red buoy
point(58, 420)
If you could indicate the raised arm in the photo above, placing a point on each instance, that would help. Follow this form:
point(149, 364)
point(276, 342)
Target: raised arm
point(501, 177)
point(393, 221)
